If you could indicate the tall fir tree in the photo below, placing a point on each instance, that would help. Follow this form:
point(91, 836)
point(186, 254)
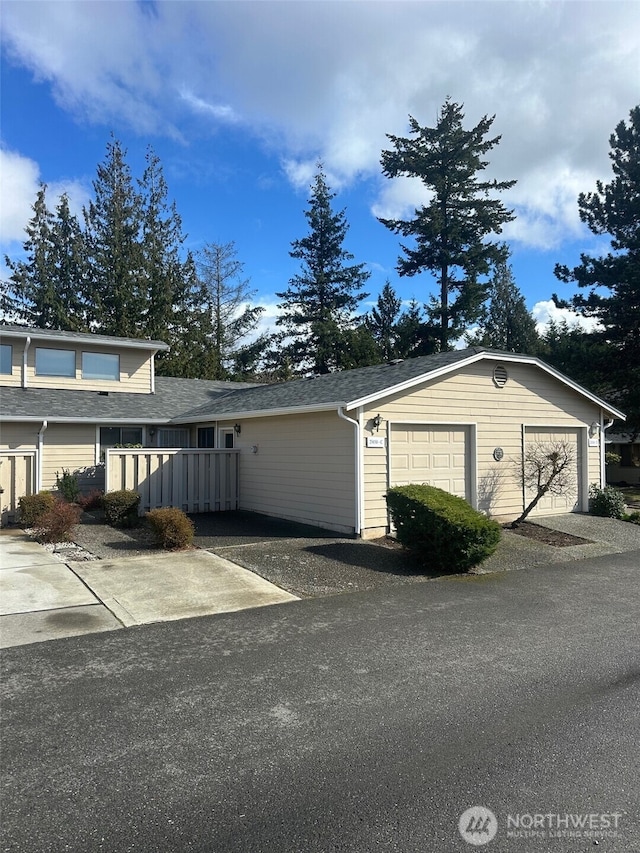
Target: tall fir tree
point(612, 280)
point(451, 231)
point(44, 289)
point(382, 319)
point(506, 324)
point(113, 225)
point(319, 305)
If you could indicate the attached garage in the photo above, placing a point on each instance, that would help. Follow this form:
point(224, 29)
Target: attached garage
point(437, 454)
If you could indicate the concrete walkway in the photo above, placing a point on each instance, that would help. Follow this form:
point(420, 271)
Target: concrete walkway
point(42, 598)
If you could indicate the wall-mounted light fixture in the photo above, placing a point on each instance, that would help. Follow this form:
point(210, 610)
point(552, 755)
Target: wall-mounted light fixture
point(152, 432)
point(376, 422)
point(237, 428)
point(594, 429)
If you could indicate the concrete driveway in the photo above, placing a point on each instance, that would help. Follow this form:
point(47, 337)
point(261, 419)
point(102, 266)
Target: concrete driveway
point(42, 598)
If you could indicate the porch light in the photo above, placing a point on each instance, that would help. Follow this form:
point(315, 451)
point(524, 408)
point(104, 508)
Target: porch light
point(237, 428)
point(376, 422)
point(594, 429)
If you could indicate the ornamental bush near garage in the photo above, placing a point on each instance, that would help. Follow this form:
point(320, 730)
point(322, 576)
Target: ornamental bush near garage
point(442, 530)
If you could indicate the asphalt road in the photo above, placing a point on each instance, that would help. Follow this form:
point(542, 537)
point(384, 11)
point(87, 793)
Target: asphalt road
point(361, 722)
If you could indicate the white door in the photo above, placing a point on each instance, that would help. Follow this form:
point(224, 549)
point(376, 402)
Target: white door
point(433, 454)
point(548, 437)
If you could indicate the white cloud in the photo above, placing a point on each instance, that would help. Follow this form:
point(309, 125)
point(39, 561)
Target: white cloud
point(546, 312)
point(329, 80)
point(20, 181)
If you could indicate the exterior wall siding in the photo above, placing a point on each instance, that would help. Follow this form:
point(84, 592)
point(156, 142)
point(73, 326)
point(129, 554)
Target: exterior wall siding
point(71, 446)
point(303, 470)
point(469, 396)
point(135, 369)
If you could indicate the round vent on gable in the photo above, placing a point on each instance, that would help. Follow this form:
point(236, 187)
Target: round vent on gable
point(500, 376)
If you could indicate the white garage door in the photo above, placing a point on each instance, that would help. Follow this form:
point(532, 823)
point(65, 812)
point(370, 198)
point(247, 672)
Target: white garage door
point(548, 437)
point(437, 455)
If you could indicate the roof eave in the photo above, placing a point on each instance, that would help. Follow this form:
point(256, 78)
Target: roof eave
point(260, 413)
point(96, 340)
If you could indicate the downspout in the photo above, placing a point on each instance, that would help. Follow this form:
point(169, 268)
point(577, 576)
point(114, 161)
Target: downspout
point(24, 363)
point(603, 464)
point(153, 372)
point(358, 466)
point(40, 455)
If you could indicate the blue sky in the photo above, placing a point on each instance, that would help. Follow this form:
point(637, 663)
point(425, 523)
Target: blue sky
point(240, 99)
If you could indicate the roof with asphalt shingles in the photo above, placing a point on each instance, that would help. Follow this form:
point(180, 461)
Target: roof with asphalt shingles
point(172, 397)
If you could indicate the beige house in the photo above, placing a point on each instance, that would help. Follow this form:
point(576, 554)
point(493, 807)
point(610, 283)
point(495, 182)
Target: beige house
point(321, 450)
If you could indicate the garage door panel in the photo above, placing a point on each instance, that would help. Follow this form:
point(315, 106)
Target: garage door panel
point(437, 455)
point(568, 502)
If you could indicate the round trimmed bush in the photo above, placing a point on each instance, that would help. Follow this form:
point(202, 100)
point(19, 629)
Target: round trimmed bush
point(607, 502)
point(173, 530)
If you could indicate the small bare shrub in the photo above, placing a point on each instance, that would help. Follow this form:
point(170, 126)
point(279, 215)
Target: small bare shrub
point(545, 470)
point(172, 529)
point(57, 524)
point(33, 507)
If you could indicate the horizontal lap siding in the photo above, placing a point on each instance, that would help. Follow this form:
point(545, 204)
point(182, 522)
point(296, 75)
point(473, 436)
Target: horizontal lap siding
point(304, 469)
point(71, 446)
point(19, 436)
point(469, 396)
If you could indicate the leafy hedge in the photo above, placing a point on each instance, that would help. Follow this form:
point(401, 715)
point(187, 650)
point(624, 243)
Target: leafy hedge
point(121, 508)
point(172, 529)
point(33, 507)
point(442, 530)
point(607, 502)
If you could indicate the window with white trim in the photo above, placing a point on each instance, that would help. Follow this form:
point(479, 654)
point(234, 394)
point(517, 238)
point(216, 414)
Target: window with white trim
point(101, 365)
point(55, 362)
point(6, 359)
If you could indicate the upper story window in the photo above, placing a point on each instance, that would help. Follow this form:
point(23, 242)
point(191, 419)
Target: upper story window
point(55, 362)
point(6, 358)
point(100, 365)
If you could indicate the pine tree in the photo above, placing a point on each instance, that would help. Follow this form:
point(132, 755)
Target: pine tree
point(320, 303)
point(450, 232)
point(69, 259)
point(505, 323)
point(613, 280)
point(227, 316)
point(116, 267)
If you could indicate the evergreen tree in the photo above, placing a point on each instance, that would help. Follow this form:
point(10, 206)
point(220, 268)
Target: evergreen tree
point(613, 280)
point(382, 319)
point(227, 316)
point(320, 302)
point(41, 291)
point(116, 269)
point(451, 231)
point(505, 323)
point(170, 285)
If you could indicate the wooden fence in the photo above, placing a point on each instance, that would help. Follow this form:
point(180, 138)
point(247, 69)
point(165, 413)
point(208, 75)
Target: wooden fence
point(192, 480)
point(17, 478)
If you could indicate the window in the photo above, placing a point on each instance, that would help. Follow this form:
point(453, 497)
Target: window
point(206, 437)
point(55, 362)
point(6, 358)
point(173, 438)
point(227, 439)
point(123, 436)
point(100, 365)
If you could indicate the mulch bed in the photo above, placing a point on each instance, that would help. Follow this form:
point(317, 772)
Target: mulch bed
point(547, 536)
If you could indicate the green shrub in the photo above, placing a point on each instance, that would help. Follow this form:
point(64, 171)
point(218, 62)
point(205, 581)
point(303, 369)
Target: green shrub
point(121, 508)
point(67, 485)
point(57, 524)
point(607, 502)
point(33, 507)
point(173, 530)
point(442, 530)
point(633, 517)
point(92, 500)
